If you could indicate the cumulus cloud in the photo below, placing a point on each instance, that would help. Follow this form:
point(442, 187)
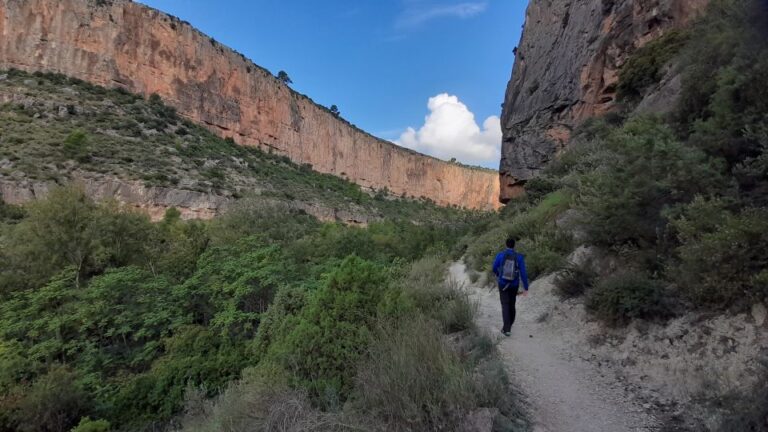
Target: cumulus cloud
point(450, 131)
point(417, 14)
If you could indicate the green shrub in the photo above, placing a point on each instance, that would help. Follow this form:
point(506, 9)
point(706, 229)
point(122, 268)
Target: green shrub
point(76, 146)
point(88, 425)
point(623, 297)
point(53, 403)
point(333, 329)
point(645, 171)
point(431, 292)
point(723, 257)
point(412, 381)
point(645, 66)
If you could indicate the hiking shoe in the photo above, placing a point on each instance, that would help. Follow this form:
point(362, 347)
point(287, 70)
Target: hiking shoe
point(507, 334)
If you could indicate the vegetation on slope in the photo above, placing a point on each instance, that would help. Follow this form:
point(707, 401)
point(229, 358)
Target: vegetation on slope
point(106, 317)
point(54, 128)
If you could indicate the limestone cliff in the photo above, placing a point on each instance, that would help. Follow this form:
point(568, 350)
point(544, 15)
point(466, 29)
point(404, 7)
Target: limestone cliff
point(120, 43)
point(566, 70)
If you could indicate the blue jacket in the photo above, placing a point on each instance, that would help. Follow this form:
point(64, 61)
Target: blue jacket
point(499, 262)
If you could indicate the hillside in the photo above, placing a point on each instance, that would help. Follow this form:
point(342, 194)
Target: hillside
point(54, 130)
point(119, 43)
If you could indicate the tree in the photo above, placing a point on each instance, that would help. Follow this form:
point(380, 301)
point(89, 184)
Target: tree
point(283, 77)
point(335, 111)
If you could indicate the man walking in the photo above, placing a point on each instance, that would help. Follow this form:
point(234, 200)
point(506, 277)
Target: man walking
point(509, 268)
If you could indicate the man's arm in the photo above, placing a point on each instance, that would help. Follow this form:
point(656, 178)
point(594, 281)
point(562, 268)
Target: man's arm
point(523, 273)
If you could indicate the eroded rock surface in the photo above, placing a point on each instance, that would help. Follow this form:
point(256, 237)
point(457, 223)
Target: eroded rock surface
point(120, 43)
point(566, 71)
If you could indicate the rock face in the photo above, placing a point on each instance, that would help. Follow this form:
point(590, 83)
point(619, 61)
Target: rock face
point(120, 43)
point(154, 201)
point(566, 71)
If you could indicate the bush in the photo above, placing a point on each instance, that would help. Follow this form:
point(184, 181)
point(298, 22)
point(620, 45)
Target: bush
point(723, 257)
point(626, 296)
point(260, 401)
point(645, 171)
point(333, 329)
point(428, 288)
point(645, 66)
point(76, 146)
point(412, 381)
point(88, 425)
point(53, 403)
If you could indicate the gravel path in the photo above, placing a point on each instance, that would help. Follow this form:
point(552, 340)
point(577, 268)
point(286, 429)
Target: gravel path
point(565, 392)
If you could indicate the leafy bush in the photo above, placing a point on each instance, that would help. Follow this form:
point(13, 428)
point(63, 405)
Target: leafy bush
point(333, 329)
point(53, 403)
point(412, 381)
point(645, 171)
point(722, 255)
point(427, 288)
point(88, 425)
point(623, 297)
point(76, 146)
point(645, 66)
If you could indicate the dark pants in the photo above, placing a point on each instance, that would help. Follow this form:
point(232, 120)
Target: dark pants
point(508, 298)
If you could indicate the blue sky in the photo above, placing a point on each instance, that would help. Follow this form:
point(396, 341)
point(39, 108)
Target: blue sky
point(382, 61)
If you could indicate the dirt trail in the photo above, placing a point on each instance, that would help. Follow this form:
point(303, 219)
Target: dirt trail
point(565, 392)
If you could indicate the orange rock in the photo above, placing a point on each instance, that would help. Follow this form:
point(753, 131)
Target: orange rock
point(125, 44)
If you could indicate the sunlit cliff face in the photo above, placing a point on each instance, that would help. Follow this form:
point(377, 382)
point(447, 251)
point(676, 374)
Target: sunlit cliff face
point(125, 44)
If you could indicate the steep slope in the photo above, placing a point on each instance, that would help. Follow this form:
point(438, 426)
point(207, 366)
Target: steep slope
point(567, 69)
point(55, 129)
point(117, 43)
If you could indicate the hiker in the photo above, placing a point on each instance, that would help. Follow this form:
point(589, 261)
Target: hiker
point(509, 268)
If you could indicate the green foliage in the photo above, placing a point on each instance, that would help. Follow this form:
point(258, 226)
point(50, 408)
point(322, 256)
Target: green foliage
point(645, 67)
point(76, 146)
point(645, 171)
point(623, 297)
point(427, 288)
point(334, 328)
point(128, 138)
point(88, 425)
point(52, 403)
point(70, 230)
point(412, 381)
point(722, 256)
point(725, 93)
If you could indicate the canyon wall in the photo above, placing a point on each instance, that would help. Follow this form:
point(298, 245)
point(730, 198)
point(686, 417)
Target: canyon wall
point(118, 43)
point(566, 71)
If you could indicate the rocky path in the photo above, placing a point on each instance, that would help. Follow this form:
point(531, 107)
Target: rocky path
point(565, 392)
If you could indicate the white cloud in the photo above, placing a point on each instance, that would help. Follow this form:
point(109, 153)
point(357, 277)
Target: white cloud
point(415, 14)
point(450, 131)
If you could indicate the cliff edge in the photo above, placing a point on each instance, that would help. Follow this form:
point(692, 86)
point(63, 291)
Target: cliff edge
point(567, 69)
point(118, 43)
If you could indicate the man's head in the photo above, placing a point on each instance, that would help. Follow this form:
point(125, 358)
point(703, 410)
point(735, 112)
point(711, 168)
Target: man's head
point(511, 242)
